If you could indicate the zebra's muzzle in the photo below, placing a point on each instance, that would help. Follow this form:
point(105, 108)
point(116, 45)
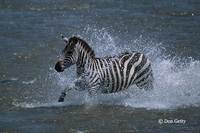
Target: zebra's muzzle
point(59, 67)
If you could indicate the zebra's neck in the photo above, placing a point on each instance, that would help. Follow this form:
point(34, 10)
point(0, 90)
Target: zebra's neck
point(85, 57)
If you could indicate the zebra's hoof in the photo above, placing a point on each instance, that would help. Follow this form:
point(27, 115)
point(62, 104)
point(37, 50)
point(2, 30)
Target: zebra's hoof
point(61, 99)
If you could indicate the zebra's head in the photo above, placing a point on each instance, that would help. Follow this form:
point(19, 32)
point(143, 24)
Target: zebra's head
point(69, 54)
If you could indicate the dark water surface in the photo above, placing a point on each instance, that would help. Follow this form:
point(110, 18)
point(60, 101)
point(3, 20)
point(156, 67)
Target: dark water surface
point(168, 31)
point(98, 119)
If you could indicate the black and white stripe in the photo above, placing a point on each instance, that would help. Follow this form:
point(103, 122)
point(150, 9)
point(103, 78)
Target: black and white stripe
point(113, 74)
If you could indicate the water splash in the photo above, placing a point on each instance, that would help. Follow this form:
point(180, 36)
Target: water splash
point(174, 87)
point(29, 82)
point(176, 80)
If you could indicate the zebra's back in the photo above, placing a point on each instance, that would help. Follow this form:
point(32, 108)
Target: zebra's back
point(119, 72)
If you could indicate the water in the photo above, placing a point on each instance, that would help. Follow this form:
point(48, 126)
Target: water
point(166, 31)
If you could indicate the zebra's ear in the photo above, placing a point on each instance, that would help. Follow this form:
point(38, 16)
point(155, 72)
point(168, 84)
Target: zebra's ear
point(64, 38)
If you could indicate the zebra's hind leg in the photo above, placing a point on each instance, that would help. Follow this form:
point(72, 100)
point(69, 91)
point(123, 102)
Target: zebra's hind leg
point(146, 83)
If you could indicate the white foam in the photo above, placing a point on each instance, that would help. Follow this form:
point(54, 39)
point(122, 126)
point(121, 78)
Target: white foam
point(37, 104)
point(29, 82)
point(14, 79)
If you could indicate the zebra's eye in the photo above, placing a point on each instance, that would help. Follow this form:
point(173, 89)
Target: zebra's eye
point(69, 52)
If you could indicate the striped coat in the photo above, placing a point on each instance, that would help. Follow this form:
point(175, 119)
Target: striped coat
point(108, 74)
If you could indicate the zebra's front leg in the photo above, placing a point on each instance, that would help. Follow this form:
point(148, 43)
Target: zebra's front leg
point(79, 85)
point(62, 97)
point(63, 94)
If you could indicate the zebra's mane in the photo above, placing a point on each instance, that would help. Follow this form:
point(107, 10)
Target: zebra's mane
point(86, 46)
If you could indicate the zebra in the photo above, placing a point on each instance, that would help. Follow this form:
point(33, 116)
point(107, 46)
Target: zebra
point(107, 74)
